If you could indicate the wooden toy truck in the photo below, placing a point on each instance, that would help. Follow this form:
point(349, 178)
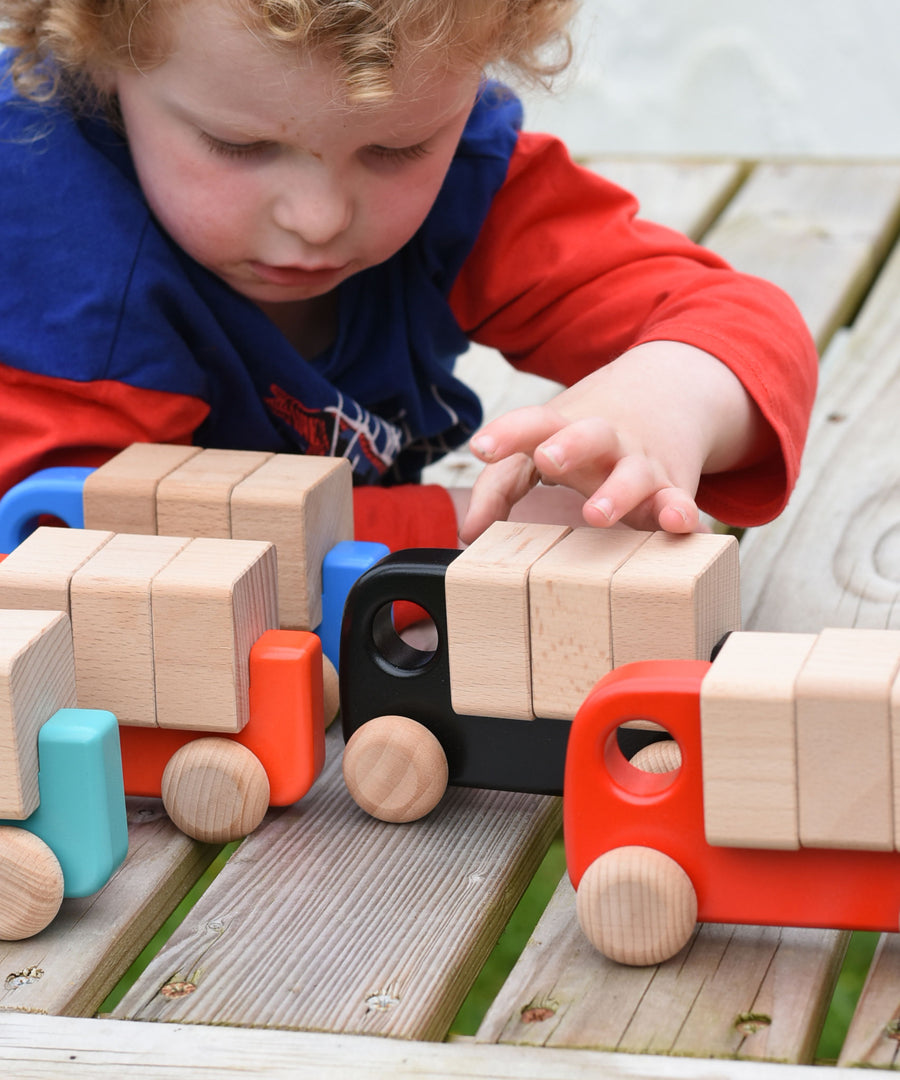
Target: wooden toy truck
point(220, 712)
point(779, 803)
point(63, 830)
point(302, 504)
point(527, 619)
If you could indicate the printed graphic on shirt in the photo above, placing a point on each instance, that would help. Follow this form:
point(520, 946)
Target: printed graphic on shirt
point(346, 429)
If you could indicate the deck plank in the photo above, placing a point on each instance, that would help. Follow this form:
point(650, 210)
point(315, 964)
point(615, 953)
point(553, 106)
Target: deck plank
point(820, 231)
point(51, 1048)
point(70, 967)
point(328, 920)
point(873, 1038)
point(833, 557)
point(749, 992)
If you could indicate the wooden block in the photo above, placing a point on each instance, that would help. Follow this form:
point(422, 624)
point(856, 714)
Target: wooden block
point(112, 625)
point(675, 598)
point(38, 572)
point(121, 494)
point(37, 677)
point(210, 604)
point(748, 734)
point(844, 739)
point(488, 635)
point(895, 755)
point(304, 505)
point(571, 633)
point(195, 499)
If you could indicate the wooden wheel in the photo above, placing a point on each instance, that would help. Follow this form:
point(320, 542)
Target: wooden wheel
point(636, 905)
point(658, 757)
point(31, 884)
point(331, 691)
point(215, 790)
point(395, 768)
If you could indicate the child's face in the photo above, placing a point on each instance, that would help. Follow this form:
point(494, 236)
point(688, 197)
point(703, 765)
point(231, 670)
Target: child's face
point(255, 166)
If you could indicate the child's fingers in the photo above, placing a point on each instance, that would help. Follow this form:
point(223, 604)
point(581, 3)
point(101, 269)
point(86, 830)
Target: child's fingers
point(516, 432)
point(498, 488)
point(637, 492)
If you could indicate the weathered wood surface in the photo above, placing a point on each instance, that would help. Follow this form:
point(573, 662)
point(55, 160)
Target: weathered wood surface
point(743, 992)
point(50, 1048)
point(819, 231)
point(833, 558)
point(71, 967)
point(328, 920)
point(873, 1038)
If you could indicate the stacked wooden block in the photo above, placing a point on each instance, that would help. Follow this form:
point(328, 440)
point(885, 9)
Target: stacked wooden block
point(536, 614)
point(801, 741)
point(303, 505)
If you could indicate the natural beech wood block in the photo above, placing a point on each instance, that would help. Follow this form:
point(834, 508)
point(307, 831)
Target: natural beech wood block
point(488, 619)
point(121, 494)
point(37, 677)
point(675, 597)
point(112, 625)
point(571, 635)
point(209, 606)
point(844, 739)
point(304, 505)
point(31, 884)
point(38, 572)
point(895, 753)
point(195, 499)
point(749, 741)
point(215, 790)
point(636, 905)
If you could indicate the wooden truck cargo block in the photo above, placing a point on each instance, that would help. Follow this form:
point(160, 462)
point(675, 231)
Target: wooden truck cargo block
point(210, 604)
point(37, 574)
point(195, 499)
point(121, 494)
point(749, 741)
point(488, 619)
point(895, 755)
point(304, 505)
point(571, 634)
point(675, 597)
point(844, 739)
point(112, 625)
point(37, 677)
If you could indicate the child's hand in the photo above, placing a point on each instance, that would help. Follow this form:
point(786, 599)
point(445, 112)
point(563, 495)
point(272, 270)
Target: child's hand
point(632, 439)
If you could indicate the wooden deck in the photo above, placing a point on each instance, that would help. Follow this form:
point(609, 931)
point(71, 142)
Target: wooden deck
point(333, 945)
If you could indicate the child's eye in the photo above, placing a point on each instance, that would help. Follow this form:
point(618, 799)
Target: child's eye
point(234, 150)
point(399, 153)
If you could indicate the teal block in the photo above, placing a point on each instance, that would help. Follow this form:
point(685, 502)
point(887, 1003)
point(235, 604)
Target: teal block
point(81, 816)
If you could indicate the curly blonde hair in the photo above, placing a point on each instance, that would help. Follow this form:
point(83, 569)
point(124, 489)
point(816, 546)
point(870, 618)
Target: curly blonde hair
point(62, 47)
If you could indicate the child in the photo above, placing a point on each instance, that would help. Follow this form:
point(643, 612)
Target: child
point(274, 224)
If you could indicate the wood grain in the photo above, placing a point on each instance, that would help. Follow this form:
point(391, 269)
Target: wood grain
point(121, 494)
point(380, 928)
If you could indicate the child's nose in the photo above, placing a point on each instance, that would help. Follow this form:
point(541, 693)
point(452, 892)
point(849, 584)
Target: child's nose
point(316, 212)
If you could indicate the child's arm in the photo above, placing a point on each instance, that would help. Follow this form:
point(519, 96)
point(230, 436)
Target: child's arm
point(689, 384)
point(633, 438)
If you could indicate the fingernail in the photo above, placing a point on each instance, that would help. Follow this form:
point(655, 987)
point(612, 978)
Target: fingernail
point(605, 507)
point(553, 452)
point(484, 446)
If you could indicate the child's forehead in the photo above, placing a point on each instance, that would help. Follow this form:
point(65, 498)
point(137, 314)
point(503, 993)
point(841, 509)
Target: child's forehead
point(226, 44)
